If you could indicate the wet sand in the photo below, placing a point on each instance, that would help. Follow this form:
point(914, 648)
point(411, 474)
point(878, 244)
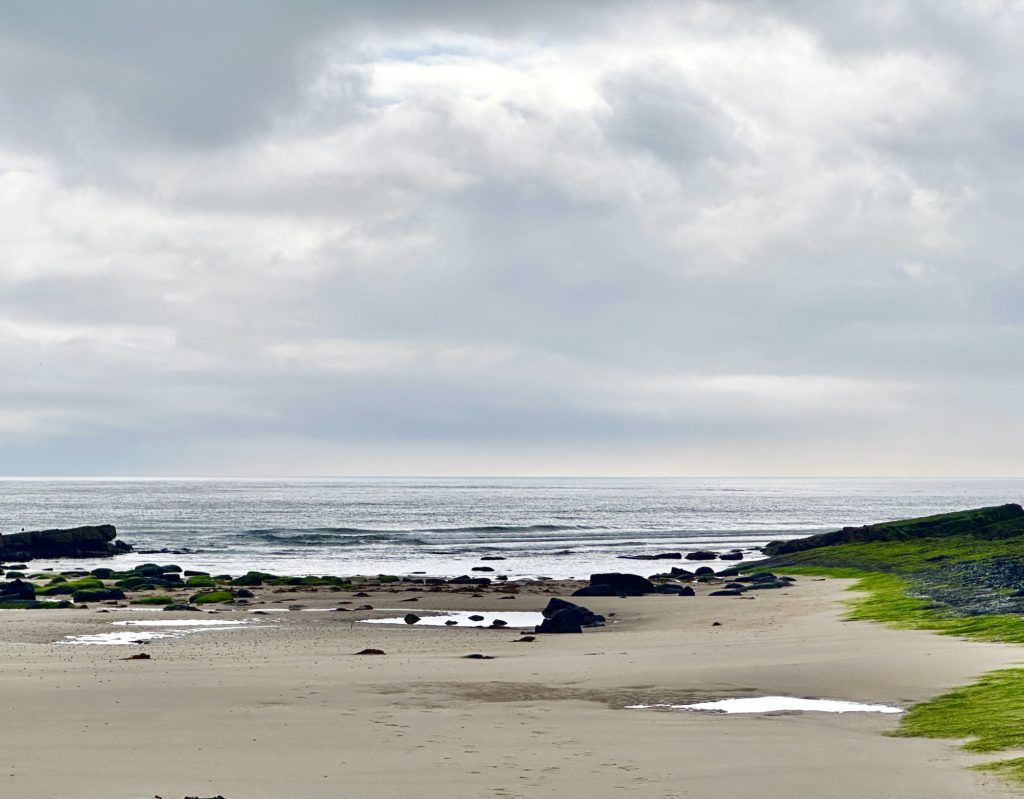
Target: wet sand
point(284, 708)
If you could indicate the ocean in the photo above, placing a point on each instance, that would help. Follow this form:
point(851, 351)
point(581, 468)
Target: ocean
point(555, 527)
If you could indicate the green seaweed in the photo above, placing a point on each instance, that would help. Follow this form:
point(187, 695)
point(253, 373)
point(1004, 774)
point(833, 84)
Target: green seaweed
point(200, 581)
point(152, 600)
point(988, 712)
point(211, 597)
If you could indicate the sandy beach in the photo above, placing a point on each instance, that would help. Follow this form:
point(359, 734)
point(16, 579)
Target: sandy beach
point(282, 707)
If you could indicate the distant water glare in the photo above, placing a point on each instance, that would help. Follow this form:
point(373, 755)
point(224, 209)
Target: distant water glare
point(551, 527)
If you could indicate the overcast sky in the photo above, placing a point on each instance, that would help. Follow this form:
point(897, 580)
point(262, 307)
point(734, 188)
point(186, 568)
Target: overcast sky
point(306, 238)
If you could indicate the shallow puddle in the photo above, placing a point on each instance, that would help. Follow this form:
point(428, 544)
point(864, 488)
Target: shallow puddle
point(438, 618)
point(774, 704)
point(171, 628)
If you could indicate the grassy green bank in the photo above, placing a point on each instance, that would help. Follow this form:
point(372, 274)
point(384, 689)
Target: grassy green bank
point(960, 585)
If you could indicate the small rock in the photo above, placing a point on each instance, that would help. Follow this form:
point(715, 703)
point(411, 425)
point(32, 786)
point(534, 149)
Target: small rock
point(476, 617)
point(526, 639)
point(411, 618)
point(478, 656)
point(139, 656)
point(370, 652)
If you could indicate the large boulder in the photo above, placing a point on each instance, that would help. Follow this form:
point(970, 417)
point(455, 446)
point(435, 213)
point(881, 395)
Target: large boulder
point(561, 616)
point(701, 554)
point(616, 584)
point(17, 589)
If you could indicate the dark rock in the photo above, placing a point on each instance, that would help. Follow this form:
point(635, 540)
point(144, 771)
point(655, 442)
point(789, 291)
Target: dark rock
point(526, 639)
point(482, 569)
point(701, 554)
point(499, 623)
point(451, 623)
point(183, 607)
point(726, 592)
point(674, 588)
point(757, 577)
point(492, 557)
point(465, 579)
point(659, 556)
point(703, 571)
point(476, 617)
point(370, 652)
point(561, 616)
point(411, 618)
point(765, 584)
point(17, 589)
point(244, 593)
point(627, 584)
point(72, 542)
point(716, 624)
point(731, 556)
point(478, 656)
point(732, 571)
point(139, 656)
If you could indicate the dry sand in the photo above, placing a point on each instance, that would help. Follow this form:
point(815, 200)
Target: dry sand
point(286, 710)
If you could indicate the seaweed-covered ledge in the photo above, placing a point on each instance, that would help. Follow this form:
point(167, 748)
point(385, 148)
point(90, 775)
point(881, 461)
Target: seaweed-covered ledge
point(73, 542)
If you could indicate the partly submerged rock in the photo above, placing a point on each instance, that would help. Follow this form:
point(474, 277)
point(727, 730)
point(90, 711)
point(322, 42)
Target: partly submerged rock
point(72, 542)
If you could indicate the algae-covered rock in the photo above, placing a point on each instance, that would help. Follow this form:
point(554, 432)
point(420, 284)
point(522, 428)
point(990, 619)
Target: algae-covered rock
point(211, 597)
point(152, 600)
point(98, 595)
point(200, 581)
point(251, 579)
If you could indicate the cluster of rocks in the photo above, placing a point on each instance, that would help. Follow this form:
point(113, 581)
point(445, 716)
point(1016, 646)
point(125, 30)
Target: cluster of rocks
point(700, 554)
point(623, 585)
point(562, 616)
point(75, 542)
point(758, 581)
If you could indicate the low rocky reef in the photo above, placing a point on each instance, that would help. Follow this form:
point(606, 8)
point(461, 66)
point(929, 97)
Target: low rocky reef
point(74, 542)
point(965, 563)
point(998, 522)
point(174, 588)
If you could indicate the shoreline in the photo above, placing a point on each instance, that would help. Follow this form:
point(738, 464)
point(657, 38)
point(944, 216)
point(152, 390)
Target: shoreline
point(286, 708)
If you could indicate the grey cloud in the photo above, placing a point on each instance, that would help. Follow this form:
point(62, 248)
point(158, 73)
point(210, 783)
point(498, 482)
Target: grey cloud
point(231, 238)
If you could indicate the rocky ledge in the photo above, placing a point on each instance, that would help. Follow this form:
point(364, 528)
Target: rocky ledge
point(74, 542)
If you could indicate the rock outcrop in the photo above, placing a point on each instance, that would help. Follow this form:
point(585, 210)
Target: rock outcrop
point(75, 542)
point(616, 584)
point(561, 616)
point(1001, 521)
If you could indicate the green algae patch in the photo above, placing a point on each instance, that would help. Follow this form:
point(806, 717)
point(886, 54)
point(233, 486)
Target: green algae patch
point(989, 713)
point(1009, 770)
point(200, 581)
point(153, 600)
point(212, 597)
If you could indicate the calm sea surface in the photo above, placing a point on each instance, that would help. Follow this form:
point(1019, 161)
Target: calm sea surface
point(554, 527)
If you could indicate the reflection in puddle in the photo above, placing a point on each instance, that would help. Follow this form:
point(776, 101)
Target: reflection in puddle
point(772, 704)
point(172, 628)
point(440, 618)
